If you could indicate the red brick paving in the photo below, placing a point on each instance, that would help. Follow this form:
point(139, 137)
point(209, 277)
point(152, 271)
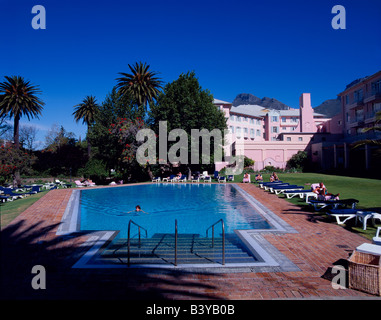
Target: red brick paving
point(30, 239)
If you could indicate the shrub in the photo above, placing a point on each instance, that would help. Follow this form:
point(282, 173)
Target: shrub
point(96, 170)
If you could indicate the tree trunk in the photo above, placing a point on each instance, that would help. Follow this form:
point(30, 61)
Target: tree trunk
point(88, 144)
point(16, 140)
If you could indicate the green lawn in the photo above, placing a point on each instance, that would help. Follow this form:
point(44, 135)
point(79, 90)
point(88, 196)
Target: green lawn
point(367, 191)
point(11, 209)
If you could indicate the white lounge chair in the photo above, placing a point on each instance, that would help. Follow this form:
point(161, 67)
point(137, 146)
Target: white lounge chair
point(377, 238)
point(79, 183)
point(156, 179)
point(345, 214)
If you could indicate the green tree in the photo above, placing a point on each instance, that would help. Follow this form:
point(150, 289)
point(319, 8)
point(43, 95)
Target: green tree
point(298, 161)
point(106, 146)
point(18, 97)
point(184, 104)
point(86, 111)
point(141, 84)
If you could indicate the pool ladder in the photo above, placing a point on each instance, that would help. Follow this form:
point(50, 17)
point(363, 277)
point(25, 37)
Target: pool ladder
point(176, 236)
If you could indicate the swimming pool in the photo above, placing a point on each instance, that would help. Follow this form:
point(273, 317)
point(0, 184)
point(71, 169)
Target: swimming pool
point(195, 206)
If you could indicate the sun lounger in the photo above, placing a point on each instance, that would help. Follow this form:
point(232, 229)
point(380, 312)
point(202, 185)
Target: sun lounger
point(79, 183)
point(340, 214)
point(276, 184)
point(292, 193)
point(183, 178)
point(263, 184)
point(230, 178)
point(377, 238)
point(365, 215)
point(334, 204)
point(9, 192)
point(221, 179)
point(5, 198)
point(281, 189)
point(208, 179)
point(156, 179)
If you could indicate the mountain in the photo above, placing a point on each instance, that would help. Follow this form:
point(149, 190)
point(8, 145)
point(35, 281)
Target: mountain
point(329, 107)
point(248, 98)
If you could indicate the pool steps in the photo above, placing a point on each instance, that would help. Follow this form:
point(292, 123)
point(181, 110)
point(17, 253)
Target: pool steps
point(159, 249)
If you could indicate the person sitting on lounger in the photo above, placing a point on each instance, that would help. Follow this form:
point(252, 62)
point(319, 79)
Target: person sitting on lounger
point(323, 195)
point(258, 177)
point(317, 187)
point(246, 178)
point(274, 177)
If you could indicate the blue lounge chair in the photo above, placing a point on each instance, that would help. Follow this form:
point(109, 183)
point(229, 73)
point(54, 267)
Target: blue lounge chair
point(183, 178)
point(333, 204)
point(5, 198)
point(34, 190)
point(208, 179)
point(9, 192)
point(230, 178)
point(221, 179)
point(281, 189)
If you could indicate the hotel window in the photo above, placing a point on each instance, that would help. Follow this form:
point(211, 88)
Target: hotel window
point(251, 121)
point(346, 99)
point(238, 132)
point(252, 135)
point(288, 138)
point(231, 117)
point(358, 95)
point(231, 129)
point(300, 138)
point(238, 118)
point(284, 128)
point(376, 87)
point(275, 129)
point(258, 133)
point(245, 132)
point(274, 118)
point(258, 121)
point(294, 119)
point(284, 119)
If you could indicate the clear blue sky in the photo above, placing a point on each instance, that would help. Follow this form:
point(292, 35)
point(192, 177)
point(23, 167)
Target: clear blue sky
point(274, 48)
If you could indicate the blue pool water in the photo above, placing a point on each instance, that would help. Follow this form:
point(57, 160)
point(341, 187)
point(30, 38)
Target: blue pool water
point(195, 206)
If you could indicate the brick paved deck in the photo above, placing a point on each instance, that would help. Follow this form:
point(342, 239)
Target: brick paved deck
point(31, 239)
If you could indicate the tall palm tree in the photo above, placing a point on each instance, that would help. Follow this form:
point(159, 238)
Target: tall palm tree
point(86, 110)
point(18, 97)
point(142, 84)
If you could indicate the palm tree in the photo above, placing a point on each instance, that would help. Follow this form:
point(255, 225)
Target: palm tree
point(86, 111)
point(18, 98)
point(142, 84)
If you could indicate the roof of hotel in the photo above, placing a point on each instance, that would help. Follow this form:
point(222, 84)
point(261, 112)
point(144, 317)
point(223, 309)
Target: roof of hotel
point(217, 101)
point(255, 110)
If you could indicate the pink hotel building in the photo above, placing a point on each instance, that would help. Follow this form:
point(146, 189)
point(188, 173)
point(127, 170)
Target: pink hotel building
point(271, 137)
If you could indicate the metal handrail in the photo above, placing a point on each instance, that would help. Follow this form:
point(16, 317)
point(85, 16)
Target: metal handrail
point(128, 238)
point(223, 237)
point(175, 242)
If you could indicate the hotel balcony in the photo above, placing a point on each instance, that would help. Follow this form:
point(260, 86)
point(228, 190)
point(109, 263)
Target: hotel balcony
point(374, 96)
point(357, 122)
point(356, 103)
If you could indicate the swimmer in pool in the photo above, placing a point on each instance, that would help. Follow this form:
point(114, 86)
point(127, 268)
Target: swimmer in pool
point(137, 210)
